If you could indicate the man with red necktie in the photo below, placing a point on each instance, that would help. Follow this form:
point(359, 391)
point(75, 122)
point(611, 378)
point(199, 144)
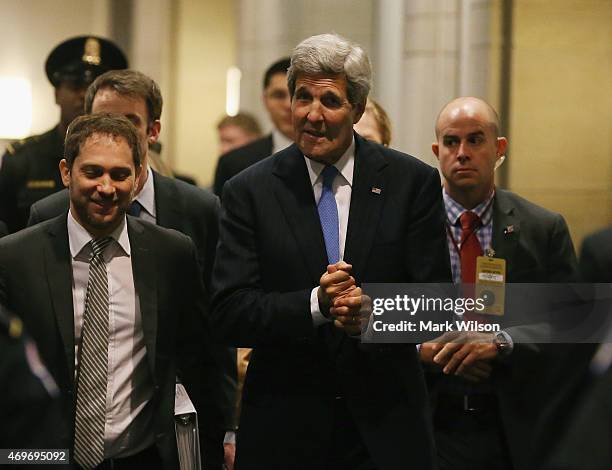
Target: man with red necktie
point(484, 404)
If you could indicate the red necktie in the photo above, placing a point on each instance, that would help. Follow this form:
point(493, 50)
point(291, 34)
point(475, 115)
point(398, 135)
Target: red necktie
point(470, 246)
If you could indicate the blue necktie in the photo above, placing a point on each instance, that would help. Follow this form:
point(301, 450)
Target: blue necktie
point(328, 214)
point(135, 209)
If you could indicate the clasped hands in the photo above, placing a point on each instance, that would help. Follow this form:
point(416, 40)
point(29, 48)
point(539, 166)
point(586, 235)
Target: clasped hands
point(339, 295)
point(466, 354)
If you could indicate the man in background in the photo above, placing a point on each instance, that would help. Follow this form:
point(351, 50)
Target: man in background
point(278, 104)
point(29, 168)
point(237, 131)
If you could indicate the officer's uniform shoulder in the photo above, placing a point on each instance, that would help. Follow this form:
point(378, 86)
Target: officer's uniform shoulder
point(23, 146)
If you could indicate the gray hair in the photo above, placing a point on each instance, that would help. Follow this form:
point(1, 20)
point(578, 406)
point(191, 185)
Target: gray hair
point(331, 54)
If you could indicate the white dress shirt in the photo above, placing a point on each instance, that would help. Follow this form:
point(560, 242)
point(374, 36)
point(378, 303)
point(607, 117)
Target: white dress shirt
point(342, 189)
point(129, 419)
point(279, 141)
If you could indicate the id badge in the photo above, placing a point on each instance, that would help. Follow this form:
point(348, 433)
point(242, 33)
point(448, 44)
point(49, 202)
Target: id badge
point(491, 284)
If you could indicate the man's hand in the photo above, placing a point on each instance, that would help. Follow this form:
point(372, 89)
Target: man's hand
point(464, 354)
point(351, 311)
point(335, 282)
point(465, 350)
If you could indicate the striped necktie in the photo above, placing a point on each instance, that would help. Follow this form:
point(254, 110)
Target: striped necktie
point(93, 364)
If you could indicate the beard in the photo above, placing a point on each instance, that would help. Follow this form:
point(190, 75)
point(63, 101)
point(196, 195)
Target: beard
point(97, 224)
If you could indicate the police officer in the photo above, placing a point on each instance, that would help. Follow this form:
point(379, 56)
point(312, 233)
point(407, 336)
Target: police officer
point(29, 169)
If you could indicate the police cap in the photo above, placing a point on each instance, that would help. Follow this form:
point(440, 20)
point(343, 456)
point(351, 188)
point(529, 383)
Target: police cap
point(82, 59)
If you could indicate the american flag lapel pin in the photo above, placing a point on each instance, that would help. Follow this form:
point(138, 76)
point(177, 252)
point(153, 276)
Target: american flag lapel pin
point(376, 190)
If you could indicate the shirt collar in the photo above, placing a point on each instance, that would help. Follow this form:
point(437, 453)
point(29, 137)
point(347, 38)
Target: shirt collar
point(78, 237)
point(146, 197)
point(344, 165)
point(484, 210)
point(279, 141)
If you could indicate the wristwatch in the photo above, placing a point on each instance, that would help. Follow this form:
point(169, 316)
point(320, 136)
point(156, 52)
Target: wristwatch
point(502, 344)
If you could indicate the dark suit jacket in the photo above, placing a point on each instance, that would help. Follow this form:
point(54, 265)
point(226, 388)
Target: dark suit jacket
point(271, 255)
point(30, 407)
point(587, 442)
point(234, 161)
point(193, 212)
point(36, 283)
point(3, 229)
point(584, 400)
point(537, 249)
point(596, 257)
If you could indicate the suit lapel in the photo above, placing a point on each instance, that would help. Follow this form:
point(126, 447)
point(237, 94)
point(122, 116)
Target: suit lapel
point(296, 198)
point(367, 198)
point(58, 269)
point(145, 283)
point(167, 202)
point(506, 228)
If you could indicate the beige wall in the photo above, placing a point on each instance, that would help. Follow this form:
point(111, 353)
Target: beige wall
point(205, 47)
point(270, 29)
point(30, 29)
point(561, 144)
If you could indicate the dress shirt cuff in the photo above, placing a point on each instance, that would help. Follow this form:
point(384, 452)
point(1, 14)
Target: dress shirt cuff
point(318, 318)
point(230, 437)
